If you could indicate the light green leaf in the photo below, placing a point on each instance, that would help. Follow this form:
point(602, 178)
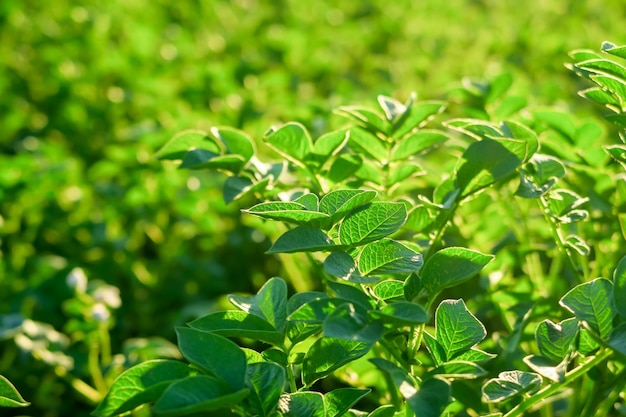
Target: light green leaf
point(330, 143)
point(577, 244)
point(555, 340)
point(196, 394)
point(235, 141)
point(352, 293)
point(337, 402)
point(185, 141)
point(617, 152)
point(290, 212)
point(564, 205)
point(399, 376)
point(291, 141)
point(474, 355)
point(611, 48)
point(302, 239)
point(457, 369)
point(339, 203)
point(270, 303)
point(365, 117)
point(539, 176)
point(509, 384)
point(201, 348)
point(593, 303)
point(456, 328)
point(402, 171)
point(451, 266)
point(349, 322)
point(389, 289)
point(401, 313)
point(309, 201)
point(388, 256)
point(327, 355)
point(602, 66)
point(372, 222)
point(416, 143)
point(303, 404)
point(391, 107)
point(477, 129)
point(368, 143)
point(383, 411)
point(547, 368)
point(238, 324)
point(615, 85)
point(600, 96)
point(266, 381)
point(10, 397)
point(344, 167)
point(342, 265)
point(416, 116)
point(619, 281)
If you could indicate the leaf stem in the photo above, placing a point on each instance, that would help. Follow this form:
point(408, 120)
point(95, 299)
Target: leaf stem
point(549, 390)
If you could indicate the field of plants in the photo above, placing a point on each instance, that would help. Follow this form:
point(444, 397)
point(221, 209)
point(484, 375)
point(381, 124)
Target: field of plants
point(313, 209)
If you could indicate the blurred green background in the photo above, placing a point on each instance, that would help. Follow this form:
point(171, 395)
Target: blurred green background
point(90, 90)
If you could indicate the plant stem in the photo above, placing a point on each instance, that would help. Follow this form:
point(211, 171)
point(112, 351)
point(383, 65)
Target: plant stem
point(570, 377)
point(81, 387)
point(94, 367)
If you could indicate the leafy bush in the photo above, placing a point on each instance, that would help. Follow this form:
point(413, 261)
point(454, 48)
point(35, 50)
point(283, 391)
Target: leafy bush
point(397, 217)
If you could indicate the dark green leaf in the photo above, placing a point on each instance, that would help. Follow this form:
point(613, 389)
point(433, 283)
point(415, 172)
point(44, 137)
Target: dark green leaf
point(416, 143)
point(342, 265)
point(266, 381)
point(399, 376)
point(587, 344)
point(437, 352)
point(327, 355)
point(593, 303)
point(302, 239)
point(270, 303)
point(239, 324)
point(618, 339)
point(185, 141)
point(389, 289)
point(198, 158)
point(451, 266)
point(431, 399)
point(456, 328)
point(383, 411)
point(339, 401)
point(196, 394)
point(372, 222)
point(351, 293)
point(509, 384)
point(316, 311)
point(239, 187)
point(388, 256)
point(555, 340)
point(349, 322)
point(303, 404)
point(619, 281)
point(401, 313)
point(10, 397)
point(202, 348)
point(291, 141)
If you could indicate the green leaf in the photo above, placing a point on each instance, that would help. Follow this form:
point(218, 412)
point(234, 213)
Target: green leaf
point(368, 143)
point(615, 85)
point(547, 368)
point(402, 171)
point(587, 344)
point(416, 143)
point(239, 324)
point(290, 212)
point(372, 222)
point(602, 66)
point(486, 162)
point(389, 289)
point(266, 381)
point(235, 141)
point(316, 311)
point(477, 129)
point(617, 341)
point(611, 48)
point(342, 265)
point(303, 404)
point(431, 399)
point(344, 167)
point(309, 201)
point(451, 266)
point(509, 384)
point(474, 355)
point(417, 115)
point(196, 394)
point(563, 206)
point(337, 204)
point(10, 397)
point(593, 303)
point(457, 369)
point(330, 143)
point(349, 322)
point(337, 402)
point(539, 176)
point(270, 303)
point(401, 313)
point(238, 187)
point(388, 256)
point(399, 376)
point(302, 239)
point(291, 141)
point(558, 121)
point(619, 289)
point(383, 411)
point(351, 293)
point(577, 244)
point(202, 348)
point(600, 96)
point(365, 117)
point(185, 141)
point(391, 107)
point(327, 355)
point(456, 328)
point(617, 152)
point(437, 351)
point(555, 340)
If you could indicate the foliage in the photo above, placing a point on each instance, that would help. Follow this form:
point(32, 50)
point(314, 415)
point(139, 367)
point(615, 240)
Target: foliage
point(383, 232)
